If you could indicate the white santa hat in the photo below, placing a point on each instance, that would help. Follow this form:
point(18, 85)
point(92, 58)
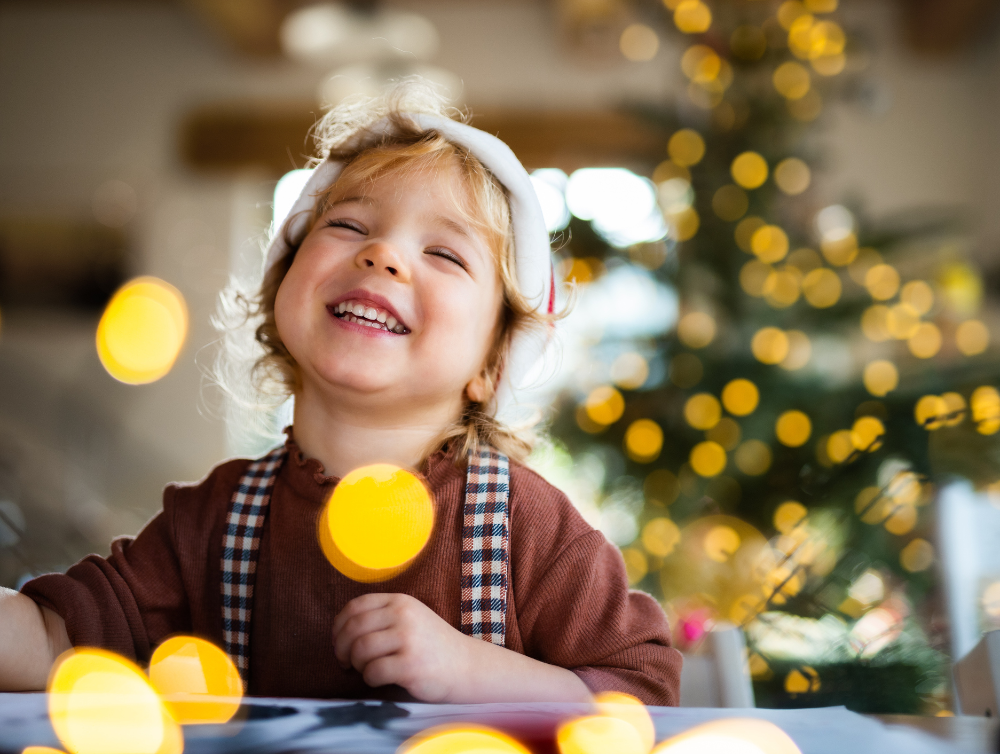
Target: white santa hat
point(532, 252)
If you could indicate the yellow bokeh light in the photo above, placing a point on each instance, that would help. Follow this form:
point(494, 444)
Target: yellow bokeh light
point(782, 287)
point(696, 329)
point(864, 261)
point(643, 440)
point(881, 377)
point(744, 231)
point(904, 488)
point(721, 543)
point(822, 288)
point(792, 80)
point(955, 405)
point(702, 411)
point(686, 147)
point(769, 243)
point(789, 11)
point(789, 515)
point(985, 404)
point(41, 750)
point(902, 520)
point(792, 176)
point(749, 170)
point(686, 370)
point(829, 65)
point(902, 321)
point(708, 458)
point(630, 370)
point(799, 350)
point(198, 681)
point(748, 42)
point(692, 17)
point(100, 703)
point(668, 170)
point(599, 734)
point(636, 565)
point(626, 707)
point(730, 202)
point(961, 287)
point(930, 411)
point(661, 487)
point(730, 736)
point(805, 260)
point(917, 556)
point(802, 680)
point(875, 323)
point(377, 520)
point(972, 337)
point(867, 433)
point(461, 739)
point(727, 433)
point(839, 249)
point(639, 43)
point(800, 37)
point(604, 405)
point(701, 64)
point(925, 341)
point(826, 39)
point(683, 223)
point(753, 277)
point(918, 295)
point(753, 457)
point(871, 506)
point(578, 271)
point(882, 281)
point(840, 446)
point(769, 345)
point(740, 397)
point(142, 331)
point(660, 536)
point(793, 428)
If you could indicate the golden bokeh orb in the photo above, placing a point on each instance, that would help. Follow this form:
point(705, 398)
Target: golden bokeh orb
point(919, 295)
point(793, 428)
point(925, 341)
point(732, 735)
point(789, 515)
point(826, 39)
point(840, 249)
point(769, 243)
point(769, 345)
point(376, 521)
point(702, 411)
point(730, 202)
point(955, 404)
point(142, 331)
point(630, 370)
point(744, 231)
point(875, 323)
point(792, 176)
point(867, 434)
point(985, 405)
point(753, 457)
point(901, 520)
point(692, 17)
point(636, 565)
point(100, 703)
point(708, 459)
point(198, 681)
point(754, 276)
point(643, 440)
point(880, 377)
point(461, 739)
point(604, 405)
point(806, 109)
point(626, 707)
point(799, 350)
point(821, 288)
point(721, 543)
point(792, 80)
point(917, 556)
point(972, 337)
point(686, 147)
point(829, 65)
point(840, 446)
point(701, 64)
point(799, 38)
point(660, 536)
point(668, 170)
point(740, 397)
point(696, 329)
point(599, 734)
point(727, 433)
point(789, 11)
point(902, 321)
point(929, 411)
point(749, 170)
point(639, 43)
point(683, 223)
point(782, 287)
point(882, 281)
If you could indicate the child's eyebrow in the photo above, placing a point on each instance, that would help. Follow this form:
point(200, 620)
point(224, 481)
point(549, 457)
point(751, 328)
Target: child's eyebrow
point(452, 225)
point(351, 199)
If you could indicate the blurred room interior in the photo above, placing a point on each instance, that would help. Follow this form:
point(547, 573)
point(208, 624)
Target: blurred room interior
point(147, 138)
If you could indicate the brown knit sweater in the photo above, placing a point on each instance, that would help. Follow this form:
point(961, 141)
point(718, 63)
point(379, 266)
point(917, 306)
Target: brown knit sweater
point(569, 602)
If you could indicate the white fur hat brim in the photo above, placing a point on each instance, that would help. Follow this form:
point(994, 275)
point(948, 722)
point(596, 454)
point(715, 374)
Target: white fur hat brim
point(532, 251)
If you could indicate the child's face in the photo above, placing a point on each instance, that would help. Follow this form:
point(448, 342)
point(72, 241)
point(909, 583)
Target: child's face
point(398, 253)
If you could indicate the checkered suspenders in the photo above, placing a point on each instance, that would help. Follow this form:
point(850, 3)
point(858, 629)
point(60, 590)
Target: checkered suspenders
point(485, 547)
point(240, 547)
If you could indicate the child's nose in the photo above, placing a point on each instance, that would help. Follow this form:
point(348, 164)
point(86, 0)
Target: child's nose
point(384, 256)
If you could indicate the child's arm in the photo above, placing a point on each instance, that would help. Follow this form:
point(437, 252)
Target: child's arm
point(395, 638)
point(31, 638)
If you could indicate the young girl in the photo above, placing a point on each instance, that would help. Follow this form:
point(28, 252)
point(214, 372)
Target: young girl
point(403, 300)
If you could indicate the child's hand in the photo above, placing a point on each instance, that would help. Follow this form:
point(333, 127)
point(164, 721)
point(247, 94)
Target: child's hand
point(395, 638)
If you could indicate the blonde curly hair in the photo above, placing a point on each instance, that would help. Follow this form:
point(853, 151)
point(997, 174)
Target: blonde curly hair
point(403, 150)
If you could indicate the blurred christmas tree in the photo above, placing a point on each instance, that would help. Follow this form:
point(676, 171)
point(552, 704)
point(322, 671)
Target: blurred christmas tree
point(781, 447)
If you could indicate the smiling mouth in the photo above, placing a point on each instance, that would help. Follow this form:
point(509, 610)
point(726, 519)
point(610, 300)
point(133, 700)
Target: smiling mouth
point(367, 316)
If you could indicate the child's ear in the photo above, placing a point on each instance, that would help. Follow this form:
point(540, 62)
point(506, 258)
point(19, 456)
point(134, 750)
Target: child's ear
point(478, 388)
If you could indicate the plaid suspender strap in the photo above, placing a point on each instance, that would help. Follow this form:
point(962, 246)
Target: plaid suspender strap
point(240, 547)
point(485, 546)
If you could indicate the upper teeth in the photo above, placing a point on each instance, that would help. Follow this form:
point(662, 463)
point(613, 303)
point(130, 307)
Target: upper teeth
point(369, 316)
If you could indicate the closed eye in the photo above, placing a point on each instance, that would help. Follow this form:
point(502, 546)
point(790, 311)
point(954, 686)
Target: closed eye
point(348, 224)
point(449, 255)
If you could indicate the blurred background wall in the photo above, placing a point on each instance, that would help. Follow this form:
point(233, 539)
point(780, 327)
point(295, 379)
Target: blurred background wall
point(109, 111)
